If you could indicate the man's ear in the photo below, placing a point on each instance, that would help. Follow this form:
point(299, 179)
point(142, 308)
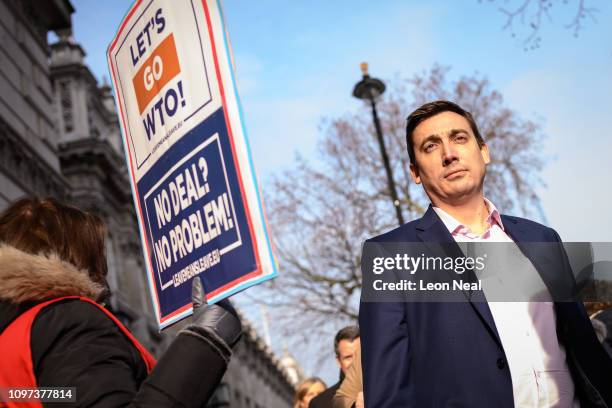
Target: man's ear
point(414, 173)
point(338, 362)
point(484, 151)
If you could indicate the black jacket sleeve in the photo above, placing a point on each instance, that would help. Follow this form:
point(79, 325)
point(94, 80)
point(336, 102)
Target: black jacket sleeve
point(74, 344)
point(186, 376)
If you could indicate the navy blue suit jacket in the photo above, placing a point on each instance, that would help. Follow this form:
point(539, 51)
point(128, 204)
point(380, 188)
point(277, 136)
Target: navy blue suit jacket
point(450, 355)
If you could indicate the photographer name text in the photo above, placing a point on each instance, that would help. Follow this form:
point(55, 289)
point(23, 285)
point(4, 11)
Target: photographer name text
point(421, 285)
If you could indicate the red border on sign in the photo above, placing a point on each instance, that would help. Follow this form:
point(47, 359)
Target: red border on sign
point(235, 282)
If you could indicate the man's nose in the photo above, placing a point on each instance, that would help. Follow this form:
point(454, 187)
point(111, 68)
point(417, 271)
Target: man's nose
point(449, 154)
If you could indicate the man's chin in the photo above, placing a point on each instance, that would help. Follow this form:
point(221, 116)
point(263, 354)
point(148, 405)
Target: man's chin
point(461, 195)
point(455, 193)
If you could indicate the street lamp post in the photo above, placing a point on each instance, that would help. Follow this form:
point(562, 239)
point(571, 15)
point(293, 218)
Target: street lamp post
point(369, 89)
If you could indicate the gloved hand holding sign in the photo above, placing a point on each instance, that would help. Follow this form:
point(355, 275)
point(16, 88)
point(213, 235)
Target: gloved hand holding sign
point(192, 367)
point(218, 323)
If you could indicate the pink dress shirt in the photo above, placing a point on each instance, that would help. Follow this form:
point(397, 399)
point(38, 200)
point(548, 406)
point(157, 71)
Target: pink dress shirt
point(527, 330)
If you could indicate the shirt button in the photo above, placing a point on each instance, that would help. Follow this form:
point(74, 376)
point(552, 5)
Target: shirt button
point(501, 363)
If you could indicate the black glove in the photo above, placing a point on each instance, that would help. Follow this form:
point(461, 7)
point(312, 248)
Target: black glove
point(218, 323)
point(191, 369)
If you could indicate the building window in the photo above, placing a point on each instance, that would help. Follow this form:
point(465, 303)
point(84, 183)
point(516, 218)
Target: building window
point(66, 105)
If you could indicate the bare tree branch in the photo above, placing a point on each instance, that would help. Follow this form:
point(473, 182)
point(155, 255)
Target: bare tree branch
point(582, 13)
point(533, 14)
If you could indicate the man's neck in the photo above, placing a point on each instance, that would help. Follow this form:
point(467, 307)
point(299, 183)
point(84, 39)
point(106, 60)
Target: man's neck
point(472, 213)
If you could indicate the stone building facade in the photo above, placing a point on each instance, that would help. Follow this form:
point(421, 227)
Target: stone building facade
point(59, 136)
point(255, 377)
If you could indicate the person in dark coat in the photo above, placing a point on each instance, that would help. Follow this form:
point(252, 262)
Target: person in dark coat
point(52, 288)
point(346, 343)
point(476, 351)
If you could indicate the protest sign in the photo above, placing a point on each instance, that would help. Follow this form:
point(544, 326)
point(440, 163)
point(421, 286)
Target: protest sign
point(199, 208)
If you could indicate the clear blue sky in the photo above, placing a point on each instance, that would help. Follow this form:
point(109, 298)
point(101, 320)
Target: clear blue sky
point(297, 62)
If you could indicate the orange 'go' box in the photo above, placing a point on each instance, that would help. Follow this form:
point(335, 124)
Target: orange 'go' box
point(170, 68)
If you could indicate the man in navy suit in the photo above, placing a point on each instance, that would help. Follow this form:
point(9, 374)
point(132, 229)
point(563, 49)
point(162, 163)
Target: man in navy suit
point(474, 353)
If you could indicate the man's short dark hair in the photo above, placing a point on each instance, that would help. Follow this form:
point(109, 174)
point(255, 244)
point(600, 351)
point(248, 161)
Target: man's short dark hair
point(431, 109)
point(349, 333)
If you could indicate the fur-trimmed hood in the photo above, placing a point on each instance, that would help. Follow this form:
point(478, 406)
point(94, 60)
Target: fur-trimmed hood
point(34, 278)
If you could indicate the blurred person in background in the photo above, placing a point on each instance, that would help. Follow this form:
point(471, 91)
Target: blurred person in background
point(350, 392)
point(307, 390)
point(600, 314)
point(346, 342)
point(55, 331)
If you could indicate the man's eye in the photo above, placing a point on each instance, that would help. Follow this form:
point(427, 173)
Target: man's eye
point(429, 147)
point(461, 138)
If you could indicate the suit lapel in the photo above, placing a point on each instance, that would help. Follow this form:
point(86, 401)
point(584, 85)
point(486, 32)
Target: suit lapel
point(436, 237)
point(555, 274)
